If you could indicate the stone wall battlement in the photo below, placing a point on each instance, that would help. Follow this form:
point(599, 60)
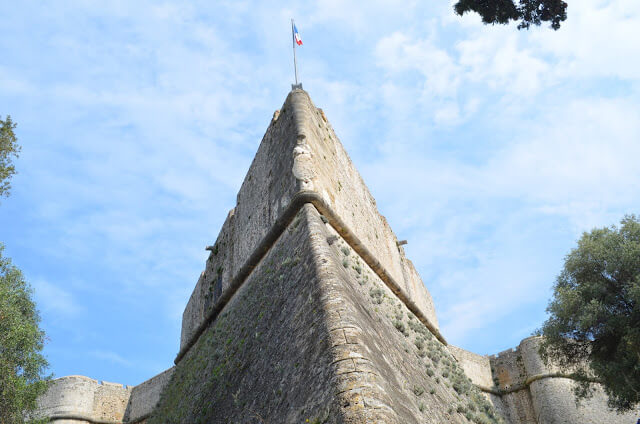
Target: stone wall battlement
point(78, 398)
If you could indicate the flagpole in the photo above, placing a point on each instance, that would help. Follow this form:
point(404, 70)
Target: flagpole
point(293, 40)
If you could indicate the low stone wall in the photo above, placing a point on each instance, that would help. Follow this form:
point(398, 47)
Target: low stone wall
point(79, 399)
point(145, 396)
point(477, 367)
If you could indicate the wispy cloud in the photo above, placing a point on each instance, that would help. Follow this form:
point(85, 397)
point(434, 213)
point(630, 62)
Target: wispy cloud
point(54, 300)
point(489, 148)
point(112, 357)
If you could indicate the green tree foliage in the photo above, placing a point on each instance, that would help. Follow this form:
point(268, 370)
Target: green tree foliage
point(22, 365)
point(594, 323)
point(527, 12)
point(9, 149)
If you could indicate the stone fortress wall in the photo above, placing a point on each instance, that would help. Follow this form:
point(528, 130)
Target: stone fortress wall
point(300, 162)
point(287, 172)
point(527, 391)
point(77, 399)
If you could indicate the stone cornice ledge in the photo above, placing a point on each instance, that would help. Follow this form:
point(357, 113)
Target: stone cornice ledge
point(521, 386)
point(297, 202)
point(79, 417)
point(91, 420)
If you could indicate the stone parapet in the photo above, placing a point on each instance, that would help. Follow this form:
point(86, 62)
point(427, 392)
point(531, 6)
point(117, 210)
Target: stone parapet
point(145, 396)
point(79, 399)
point(476, 367)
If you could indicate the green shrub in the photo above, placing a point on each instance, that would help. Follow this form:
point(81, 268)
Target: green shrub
point(377, 295)
point(399, 325)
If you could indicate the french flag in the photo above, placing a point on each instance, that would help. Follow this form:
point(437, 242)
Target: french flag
point(296, 36)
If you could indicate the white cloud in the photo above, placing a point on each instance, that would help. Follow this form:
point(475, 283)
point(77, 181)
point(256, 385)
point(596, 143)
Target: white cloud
point(398, 53)
point(599, 39)
point(482, 144)
point(585, 150)
point(54, 300)
point(481, 232)
point(113, 357)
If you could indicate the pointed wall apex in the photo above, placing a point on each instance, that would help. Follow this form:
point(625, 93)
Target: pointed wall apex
point(300, 160)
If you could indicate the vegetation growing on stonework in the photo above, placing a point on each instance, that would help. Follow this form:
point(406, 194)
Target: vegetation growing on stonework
point(377, 295)
point(245, 363)
point(437, 360)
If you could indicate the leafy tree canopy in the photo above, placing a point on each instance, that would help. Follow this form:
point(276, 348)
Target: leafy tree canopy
point(527, 12)
point(22, 366)
point(9, 149)
point(594, 323)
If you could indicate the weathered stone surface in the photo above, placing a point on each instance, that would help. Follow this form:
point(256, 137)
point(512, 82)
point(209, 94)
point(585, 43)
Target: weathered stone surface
point(476, 367)
point(77, 398)
point(309, 311)
point(400, 373)
point(144, 397)
point(534, 392)
point(299, 153)
point(268, 354)
point(304, 338)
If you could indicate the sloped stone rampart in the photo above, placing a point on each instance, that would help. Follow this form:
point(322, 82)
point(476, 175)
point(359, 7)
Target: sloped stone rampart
point(266, 191)
point(300, 154)
point(303, 339)
point(416, 379)
point(333, 176)
point(267, 355)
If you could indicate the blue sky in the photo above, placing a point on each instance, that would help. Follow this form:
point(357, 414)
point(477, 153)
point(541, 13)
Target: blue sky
point(489, 149)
